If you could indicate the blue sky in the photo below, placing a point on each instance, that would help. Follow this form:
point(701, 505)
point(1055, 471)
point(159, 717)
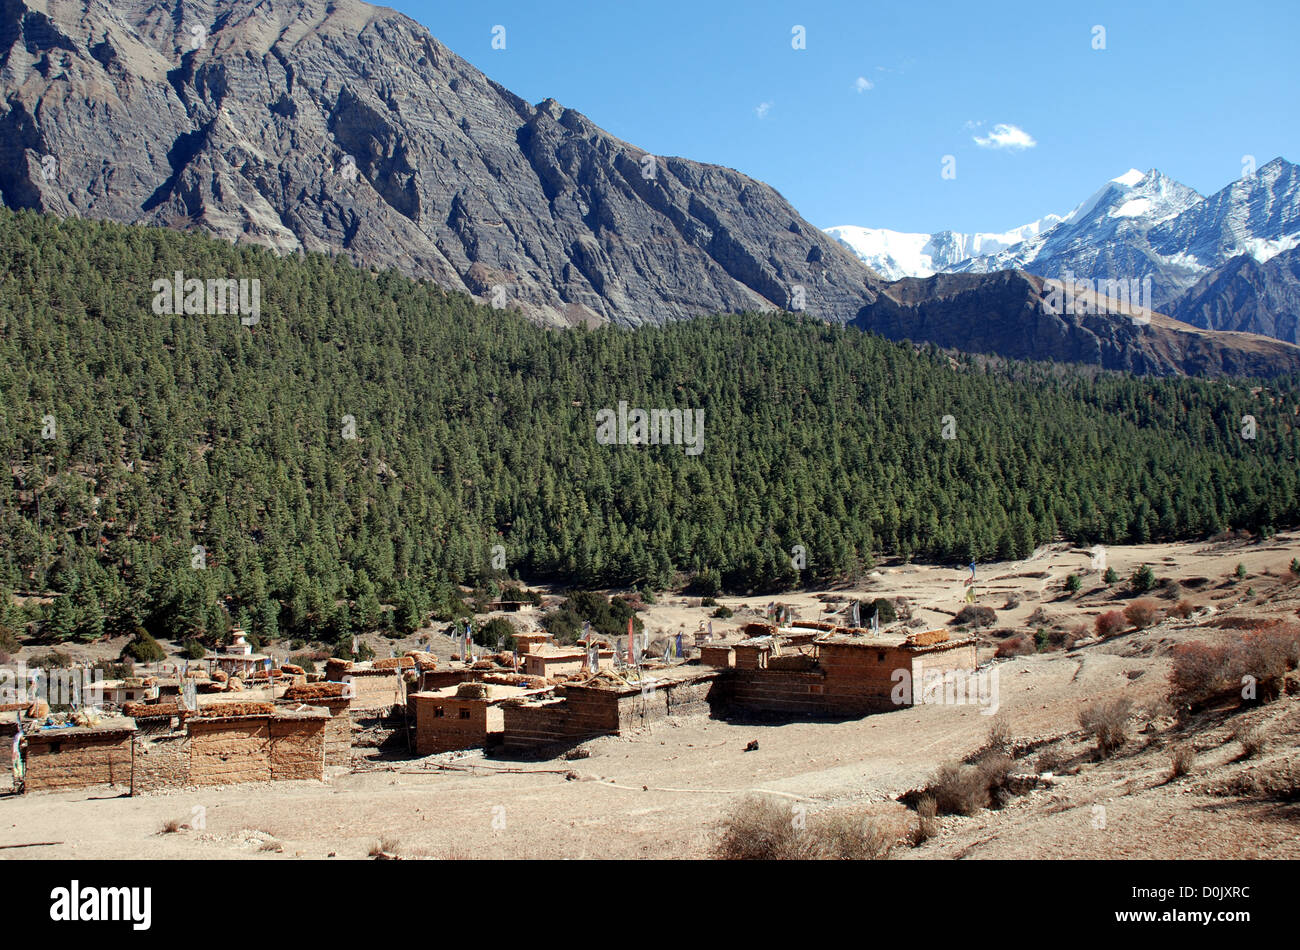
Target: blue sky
point(1184, 87)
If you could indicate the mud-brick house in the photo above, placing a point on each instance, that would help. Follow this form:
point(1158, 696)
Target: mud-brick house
point(553, 661)
point(230, 743)
point(529, 641)
point(465, 716)
point(229, 746)
point(69, 757)
point(378, 687)
point(843, 673)
point(606, 705)
point(332, 698)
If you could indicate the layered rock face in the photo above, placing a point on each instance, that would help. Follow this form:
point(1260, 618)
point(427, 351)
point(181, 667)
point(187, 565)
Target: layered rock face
point(332, 125)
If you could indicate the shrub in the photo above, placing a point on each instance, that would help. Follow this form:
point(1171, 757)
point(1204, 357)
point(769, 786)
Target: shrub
point(305, 659)
point(1105, 721)
point(1142, 613)
point(1295, 565)
point(999, 735)
point(1199, 672)
point(722, 612)
point(1041, 639)
point(193, 650)
point(960, 789)
point(54, 660)
point(1017, 645)
point(842, 837)
point(706, 583)
point(882, 605)
point(1182, 610)
point(498, 628)
point(972, 614)
point(9, 642)
point(1143, 579)
point(1110, 577)
point(1072, 583)
point(1240, 572)
point(761, 829)
point(994, 767)
point(144, 649)
point(385, 845)
point(1049, 760)
point(927, 821)
point(1109, 624)
point(1252, 740)
point(1181, 761)
point(708, 602)
point(343, 650)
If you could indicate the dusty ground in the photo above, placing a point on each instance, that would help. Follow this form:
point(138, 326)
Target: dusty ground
point(662, 793)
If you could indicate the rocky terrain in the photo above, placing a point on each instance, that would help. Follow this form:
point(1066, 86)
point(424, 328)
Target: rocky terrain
point(1245, 295)
point(339, 126)
point(1005, 313)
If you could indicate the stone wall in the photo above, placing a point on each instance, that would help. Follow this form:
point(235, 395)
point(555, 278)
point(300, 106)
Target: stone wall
point(779, 692)
point(338, 731)
point(161, 761)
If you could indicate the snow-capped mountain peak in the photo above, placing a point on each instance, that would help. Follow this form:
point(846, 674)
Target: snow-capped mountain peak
point(1137, 225)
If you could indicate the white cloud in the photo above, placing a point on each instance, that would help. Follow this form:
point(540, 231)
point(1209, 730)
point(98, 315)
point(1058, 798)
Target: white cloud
point(863, 84)
point(1005, 135)
point(763, 109)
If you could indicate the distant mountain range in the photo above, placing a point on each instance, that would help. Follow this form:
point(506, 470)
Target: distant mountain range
point(340, 127)
point(1138, 226)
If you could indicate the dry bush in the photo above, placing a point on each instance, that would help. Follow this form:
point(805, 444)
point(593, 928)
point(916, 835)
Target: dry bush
point(1011, 603)
point(385, 845)
point(271, 845)
point(1202, 672)
point(843, 838)
point(757, 829)
point(1142, 613)
point(1109, 624)
point(1104, 721)
point(1018, 645)
point(1182, 610)
point(1049, 760)
point(1198, 672)
point(171, 826)
point(1066, 639)
point(999, 735)
point(1251, 739)
point(974, 614)
point(1181, 761)
point(960, 789)
point(761, 829)
point(927, 820)
point(995, 767)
